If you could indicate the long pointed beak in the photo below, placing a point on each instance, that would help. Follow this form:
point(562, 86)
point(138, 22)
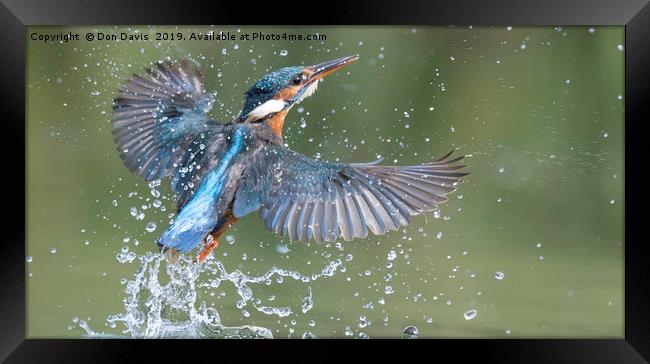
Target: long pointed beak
point(323, 69)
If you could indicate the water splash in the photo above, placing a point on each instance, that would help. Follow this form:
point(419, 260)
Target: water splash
point(307, 302)
point(161, 299)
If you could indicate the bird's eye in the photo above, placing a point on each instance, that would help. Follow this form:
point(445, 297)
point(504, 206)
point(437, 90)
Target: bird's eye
point(298, 79)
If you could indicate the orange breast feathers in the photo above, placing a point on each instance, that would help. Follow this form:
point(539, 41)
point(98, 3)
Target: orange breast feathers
point(276, 122)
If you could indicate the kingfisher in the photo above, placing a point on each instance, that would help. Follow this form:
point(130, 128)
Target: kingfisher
point(221, 172)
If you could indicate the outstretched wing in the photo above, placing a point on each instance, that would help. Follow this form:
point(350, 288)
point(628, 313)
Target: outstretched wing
point(307, 199)
point(161, 127)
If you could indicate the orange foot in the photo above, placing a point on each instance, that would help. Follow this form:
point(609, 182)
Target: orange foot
point(207, 248)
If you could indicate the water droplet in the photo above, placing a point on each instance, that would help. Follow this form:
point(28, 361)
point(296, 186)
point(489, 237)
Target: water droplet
point(29, 259)
point(125, 256)
point(151, 227)
point(53, 250)
point(391, 255)
point(499, 275)
point(410, 332)
point(363, 321)
point(470, 315)
point(284, 53)
point(620, 47)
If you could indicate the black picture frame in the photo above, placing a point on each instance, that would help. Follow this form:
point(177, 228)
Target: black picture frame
point(634, 15)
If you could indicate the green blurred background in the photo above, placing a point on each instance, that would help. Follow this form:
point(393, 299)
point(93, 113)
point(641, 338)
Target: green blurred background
point(537, 110)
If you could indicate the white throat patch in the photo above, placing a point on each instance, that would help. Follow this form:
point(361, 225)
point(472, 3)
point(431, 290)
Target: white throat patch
point(309, 91)
point(269, 107)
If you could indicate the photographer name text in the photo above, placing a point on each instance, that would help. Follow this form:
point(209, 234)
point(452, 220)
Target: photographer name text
point(221, 36)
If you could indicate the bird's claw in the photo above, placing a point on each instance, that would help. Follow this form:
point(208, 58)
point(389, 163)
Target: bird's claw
point(207, 248)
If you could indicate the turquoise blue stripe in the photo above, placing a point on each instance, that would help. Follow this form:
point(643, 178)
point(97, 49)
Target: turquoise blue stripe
point(199, 216)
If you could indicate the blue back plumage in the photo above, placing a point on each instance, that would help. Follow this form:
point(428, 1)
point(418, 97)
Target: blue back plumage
point(199, 215)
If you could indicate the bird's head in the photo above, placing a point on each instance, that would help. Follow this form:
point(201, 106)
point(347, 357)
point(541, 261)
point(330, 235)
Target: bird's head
point(273, 95)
